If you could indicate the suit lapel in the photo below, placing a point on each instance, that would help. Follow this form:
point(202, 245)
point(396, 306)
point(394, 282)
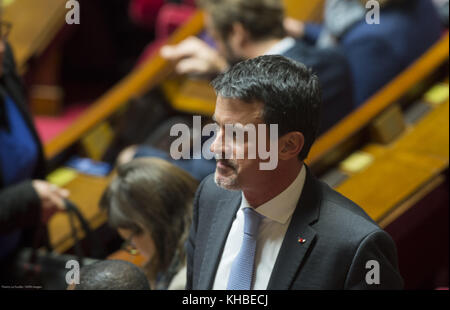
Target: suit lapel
point(220, 227)
point(292, 251)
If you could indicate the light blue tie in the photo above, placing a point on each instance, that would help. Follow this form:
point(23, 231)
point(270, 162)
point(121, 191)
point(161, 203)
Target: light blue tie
point(241, 274)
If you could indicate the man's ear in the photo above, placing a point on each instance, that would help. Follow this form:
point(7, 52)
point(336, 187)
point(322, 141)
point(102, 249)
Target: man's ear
point(290, 145)
point(238, 37)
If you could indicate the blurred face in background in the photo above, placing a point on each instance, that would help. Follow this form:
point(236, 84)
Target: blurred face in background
point(226, 47)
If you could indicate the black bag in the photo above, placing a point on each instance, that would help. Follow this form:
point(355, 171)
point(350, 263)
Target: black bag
point(33, 268)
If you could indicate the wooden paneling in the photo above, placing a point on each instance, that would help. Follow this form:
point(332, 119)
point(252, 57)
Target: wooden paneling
point(35, 24)
point(403, 168)
point(305, 10)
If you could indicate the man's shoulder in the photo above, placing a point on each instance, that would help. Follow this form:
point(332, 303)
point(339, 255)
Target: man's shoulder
point(343, 217)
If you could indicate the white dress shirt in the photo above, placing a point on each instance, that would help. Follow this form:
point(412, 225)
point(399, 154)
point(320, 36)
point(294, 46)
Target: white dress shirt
point(281, 47)
point(277, 214)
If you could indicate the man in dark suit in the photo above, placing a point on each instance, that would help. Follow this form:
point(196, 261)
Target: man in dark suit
point(279, 228)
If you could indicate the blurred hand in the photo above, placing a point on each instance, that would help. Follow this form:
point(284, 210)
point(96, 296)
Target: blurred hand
point(193, 56)
point(126, 155)
point(52, 198)
point(294, 27)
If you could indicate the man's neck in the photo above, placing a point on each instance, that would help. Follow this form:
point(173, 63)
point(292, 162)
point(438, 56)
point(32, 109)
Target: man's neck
point(275, 183)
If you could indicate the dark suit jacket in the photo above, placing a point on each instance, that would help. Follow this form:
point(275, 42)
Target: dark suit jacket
point(19, 204)
point(340, 239)
point(333, 70)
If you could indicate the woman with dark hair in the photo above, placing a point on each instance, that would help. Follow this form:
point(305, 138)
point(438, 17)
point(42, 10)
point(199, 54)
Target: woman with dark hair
point(149, 203)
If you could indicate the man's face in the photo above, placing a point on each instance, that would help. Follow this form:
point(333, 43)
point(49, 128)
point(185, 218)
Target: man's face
point(236, 174)
point(224, 47)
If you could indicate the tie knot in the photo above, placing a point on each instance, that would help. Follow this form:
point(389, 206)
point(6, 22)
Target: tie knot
point(252, 219)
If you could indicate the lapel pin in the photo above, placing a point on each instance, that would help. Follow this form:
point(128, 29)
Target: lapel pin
point(301, 240)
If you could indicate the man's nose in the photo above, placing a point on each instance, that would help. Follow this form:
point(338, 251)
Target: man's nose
point(219, 147)
point(216, 146)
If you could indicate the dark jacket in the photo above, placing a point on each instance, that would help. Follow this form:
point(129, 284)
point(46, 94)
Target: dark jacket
point(333, 70)
point(378, 53)
point(340, 240)
point(19, 203)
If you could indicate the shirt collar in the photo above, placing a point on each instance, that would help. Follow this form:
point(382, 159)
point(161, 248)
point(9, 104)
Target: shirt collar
point(281, 47)
point(281, 207)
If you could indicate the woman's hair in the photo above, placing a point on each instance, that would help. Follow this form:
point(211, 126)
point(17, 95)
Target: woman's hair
point(151, 195)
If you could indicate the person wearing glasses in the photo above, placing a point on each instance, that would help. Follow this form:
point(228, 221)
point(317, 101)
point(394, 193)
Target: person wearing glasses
point(24, 198)
point(149, 203)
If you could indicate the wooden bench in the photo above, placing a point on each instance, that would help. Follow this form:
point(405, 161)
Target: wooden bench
point(404, 171)
point(355, 122)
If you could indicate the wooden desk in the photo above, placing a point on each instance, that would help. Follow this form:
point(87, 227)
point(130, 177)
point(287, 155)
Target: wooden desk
point(35, 24)
point(360, 118)
point(403, 168)
point(85, 192)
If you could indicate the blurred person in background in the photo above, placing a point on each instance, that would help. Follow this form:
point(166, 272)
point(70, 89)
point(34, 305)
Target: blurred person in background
point(376, 52)
point(244, 29)
point(25, 201)
point(149, 203)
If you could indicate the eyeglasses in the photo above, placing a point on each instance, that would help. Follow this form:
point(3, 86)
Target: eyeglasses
point(5, 29)
point(128, 245)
